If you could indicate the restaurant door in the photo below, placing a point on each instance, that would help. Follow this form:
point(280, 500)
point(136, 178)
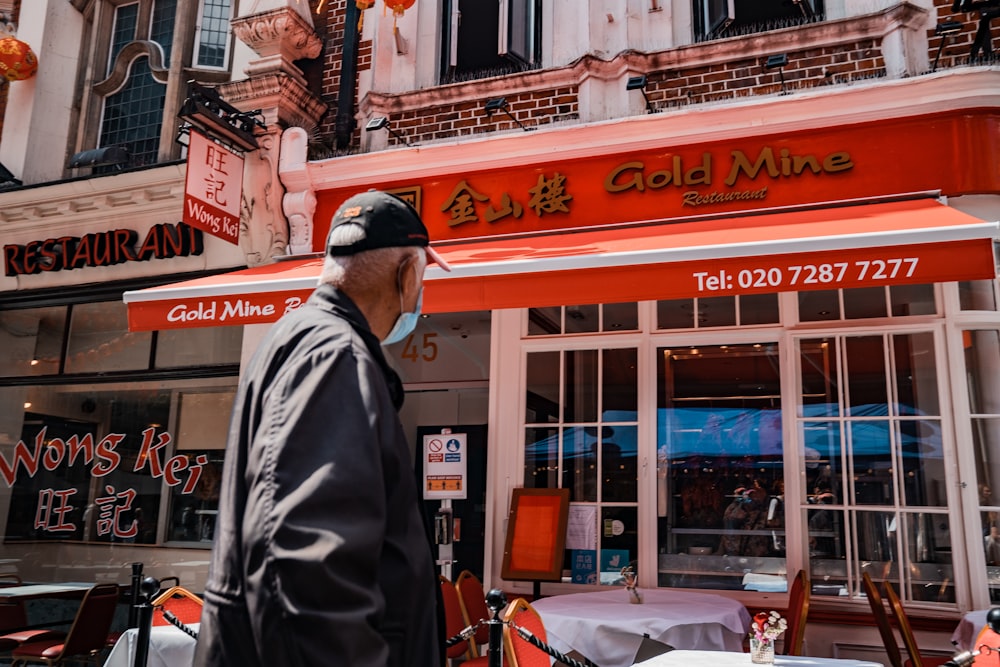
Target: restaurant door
point(466, 530)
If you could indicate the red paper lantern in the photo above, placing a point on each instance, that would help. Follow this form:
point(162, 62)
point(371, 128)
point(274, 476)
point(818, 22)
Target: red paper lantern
point(399, 6)
point(17, 60)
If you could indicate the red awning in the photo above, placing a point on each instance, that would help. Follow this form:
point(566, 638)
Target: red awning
point(900, 242)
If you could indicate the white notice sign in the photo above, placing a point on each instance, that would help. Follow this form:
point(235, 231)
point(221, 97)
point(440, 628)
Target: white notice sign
point(445, 465)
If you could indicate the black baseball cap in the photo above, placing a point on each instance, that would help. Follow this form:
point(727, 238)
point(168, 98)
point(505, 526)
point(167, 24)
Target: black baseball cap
point(387, 222)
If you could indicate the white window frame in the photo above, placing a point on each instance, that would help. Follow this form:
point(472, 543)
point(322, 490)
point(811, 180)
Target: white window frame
point(196, 52)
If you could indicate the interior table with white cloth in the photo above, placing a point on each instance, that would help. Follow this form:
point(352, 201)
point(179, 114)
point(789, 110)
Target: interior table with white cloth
point(608, 629)
point(969, 628)
point(168, 647)
point(732, 659)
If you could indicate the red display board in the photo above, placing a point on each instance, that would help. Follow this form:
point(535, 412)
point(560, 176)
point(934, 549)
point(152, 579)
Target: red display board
point(536, 535)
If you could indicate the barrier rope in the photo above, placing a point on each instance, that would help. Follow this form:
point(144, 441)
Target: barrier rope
point(527, 636)
point(462, 636)
point(176, 622)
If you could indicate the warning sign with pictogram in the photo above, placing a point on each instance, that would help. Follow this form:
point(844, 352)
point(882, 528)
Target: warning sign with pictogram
point(445, 465)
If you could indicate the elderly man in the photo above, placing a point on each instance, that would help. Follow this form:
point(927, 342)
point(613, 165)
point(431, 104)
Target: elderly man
point(321, 556)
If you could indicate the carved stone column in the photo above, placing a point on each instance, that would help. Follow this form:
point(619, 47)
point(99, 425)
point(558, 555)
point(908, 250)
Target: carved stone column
point(276, 87)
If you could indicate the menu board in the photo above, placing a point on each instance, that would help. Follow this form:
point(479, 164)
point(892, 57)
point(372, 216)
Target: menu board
point(536, 535)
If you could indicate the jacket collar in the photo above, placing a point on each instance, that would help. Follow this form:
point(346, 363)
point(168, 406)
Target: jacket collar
point(329, 298)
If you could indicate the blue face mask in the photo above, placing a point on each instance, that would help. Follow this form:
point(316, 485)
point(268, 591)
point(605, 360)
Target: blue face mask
point(406, 322)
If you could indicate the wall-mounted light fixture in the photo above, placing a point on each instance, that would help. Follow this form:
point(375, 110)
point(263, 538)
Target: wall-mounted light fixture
point(639, 83)
point(778, 61)
point(381, 122)
point(945, 30)
point(205, 110)
point(500, 104)
point(109, 156)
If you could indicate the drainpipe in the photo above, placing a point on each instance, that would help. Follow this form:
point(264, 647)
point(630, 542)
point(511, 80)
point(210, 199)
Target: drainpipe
point(344, 125)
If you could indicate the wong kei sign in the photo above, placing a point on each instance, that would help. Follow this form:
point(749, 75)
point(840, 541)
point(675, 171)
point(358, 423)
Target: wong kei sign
point(70, 481)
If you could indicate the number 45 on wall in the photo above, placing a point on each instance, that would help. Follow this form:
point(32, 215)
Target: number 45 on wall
point(420, 346)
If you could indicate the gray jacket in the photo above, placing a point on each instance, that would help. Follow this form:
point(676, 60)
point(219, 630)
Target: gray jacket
point(320, 555)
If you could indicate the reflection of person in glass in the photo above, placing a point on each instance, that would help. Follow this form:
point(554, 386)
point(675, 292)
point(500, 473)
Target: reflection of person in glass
point(991, 526)
point(747, 512)
point(776, 515)
point(821, 521)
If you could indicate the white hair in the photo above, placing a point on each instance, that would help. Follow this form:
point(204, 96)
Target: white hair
point(365, 270)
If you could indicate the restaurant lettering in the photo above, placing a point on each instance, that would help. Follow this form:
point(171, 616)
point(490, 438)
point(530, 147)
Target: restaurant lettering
point(231, 310)
point(640, 177)
point(54, 506)
point(102, 457)
point(467, 204)
point(702, 181)
point(112, 511)
point(115, 246)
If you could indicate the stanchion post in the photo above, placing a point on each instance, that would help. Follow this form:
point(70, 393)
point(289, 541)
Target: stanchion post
point(495, 601)
point(144, 613)
point(134, 594)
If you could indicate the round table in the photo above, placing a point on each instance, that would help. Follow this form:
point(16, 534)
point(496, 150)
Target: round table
point(608, 629)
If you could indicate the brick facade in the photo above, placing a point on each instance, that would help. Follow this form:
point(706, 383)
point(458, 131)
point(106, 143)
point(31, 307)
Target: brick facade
point(819, 54)
point(958, 46)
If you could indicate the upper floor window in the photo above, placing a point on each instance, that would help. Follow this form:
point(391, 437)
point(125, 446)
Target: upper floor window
point(139, 45)
point(161, 30)
point(212, 42)
point(470, 53)
point(715, 19)
point(126, 18)
point(134, 114)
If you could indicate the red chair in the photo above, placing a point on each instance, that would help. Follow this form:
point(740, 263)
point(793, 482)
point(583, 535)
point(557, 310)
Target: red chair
point(473, 600)
point(906, 631)
point(87, 637)
point(520, 652)
point(182, 603)
point(12, 615)
point(798, 610)
point(987, 639)
point(14, 618)
point(454, 623)
point(882, 621)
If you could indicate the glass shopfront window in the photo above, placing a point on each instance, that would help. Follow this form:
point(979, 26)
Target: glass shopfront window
point(720, 469)
point(107, 435)
point(982, 364)
point(850, 419)
point(90, 462)
point(581, 434)
point(875, 497)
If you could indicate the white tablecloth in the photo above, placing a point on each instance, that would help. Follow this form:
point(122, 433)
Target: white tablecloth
point(732, 659)
point(606, 628)
point(968, 629)
point(168, 647)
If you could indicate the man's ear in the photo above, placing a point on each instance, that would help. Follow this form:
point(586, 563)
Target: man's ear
point(411, 279)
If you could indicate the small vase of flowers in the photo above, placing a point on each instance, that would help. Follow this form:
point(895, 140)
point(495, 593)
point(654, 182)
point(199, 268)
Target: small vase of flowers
point(765, 628)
